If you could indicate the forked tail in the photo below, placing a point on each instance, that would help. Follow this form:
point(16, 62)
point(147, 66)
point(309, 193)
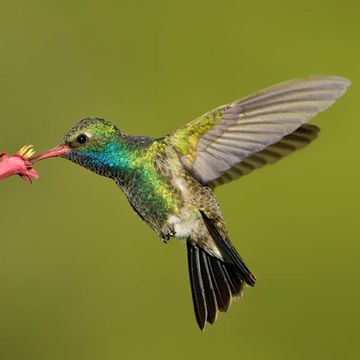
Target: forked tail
point(215, 282)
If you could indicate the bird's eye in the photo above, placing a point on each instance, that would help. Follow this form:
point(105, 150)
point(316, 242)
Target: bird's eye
point(82, 138)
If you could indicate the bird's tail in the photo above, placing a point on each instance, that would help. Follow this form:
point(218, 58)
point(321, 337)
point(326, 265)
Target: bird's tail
point(215, 282)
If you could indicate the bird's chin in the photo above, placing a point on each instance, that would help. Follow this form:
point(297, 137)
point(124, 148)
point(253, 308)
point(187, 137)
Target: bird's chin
point(59, 151)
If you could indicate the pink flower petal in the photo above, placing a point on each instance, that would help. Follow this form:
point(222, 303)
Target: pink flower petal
point(12, 165)
point(21, 163)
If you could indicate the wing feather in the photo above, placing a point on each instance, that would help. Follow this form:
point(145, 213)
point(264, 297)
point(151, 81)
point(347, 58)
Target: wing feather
point(300, 138)
point(235, 139)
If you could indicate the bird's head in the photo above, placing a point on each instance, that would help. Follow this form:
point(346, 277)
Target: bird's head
point(90, 143)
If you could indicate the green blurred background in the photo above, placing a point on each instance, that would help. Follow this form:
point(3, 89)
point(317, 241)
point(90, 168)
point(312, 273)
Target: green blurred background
point(81, 277)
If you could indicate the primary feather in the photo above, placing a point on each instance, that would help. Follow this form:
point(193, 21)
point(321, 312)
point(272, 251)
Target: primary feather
point(226, 136)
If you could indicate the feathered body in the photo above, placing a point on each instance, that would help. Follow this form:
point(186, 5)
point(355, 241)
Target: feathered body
point(150, 174)
point(170, 181)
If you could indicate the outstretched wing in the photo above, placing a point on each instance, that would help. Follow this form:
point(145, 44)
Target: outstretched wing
point(234, 139)
point(297, 140)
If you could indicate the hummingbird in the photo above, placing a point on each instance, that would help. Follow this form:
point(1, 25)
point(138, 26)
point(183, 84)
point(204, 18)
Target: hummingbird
point(170, 181)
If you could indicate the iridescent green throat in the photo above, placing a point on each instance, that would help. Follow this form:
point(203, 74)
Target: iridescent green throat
point(132, 162)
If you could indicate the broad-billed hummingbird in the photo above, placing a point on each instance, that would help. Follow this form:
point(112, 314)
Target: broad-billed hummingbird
point(170, 181)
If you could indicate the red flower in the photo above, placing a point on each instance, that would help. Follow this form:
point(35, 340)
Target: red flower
point(21, 163)
point(18, 164)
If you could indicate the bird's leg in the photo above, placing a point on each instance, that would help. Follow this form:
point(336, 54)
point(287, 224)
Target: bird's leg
point(167, 232)
point(164, 238)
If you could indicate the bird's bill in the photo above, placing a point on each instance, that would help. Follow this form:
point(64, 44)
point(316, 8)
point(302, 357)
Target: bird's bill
point(60, 150)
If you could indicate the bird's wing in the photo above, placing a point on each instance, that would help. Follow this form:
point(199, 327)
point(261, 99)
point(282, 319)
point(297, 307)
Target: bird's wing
point(297, 140)
point(234, 139)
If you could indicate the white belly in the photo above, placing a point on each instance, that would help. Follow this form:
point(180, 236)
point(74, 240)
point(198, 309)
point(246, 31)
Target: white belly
point(182, 228)
point(186, 222)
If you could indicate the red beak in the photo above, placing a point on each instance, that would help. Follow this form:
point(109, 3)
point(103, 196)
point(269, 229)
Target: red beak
point(60, 150)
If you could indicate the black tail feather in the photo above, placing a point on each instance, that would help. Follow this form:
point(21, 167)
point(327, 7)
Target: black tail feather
point(210, 297)
point(222, 289)
point(215, 282)
point(234, 280)
point(197, 287)
point(228, 251)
